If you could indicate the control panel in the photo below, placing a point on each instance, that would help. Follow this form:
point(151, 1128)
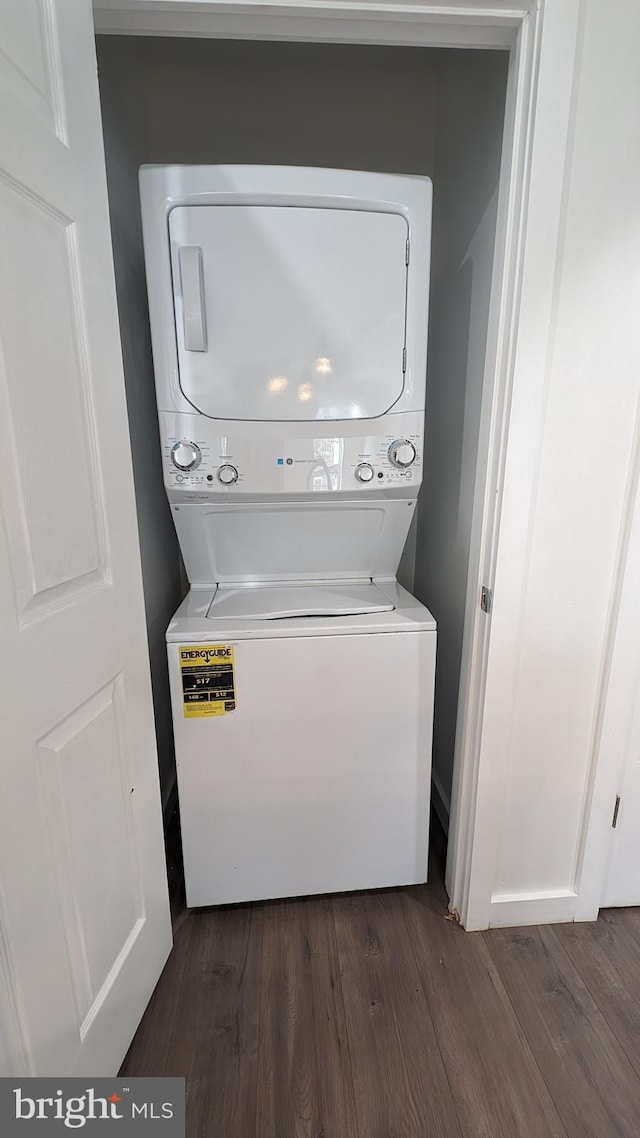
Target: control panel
point(198, 459)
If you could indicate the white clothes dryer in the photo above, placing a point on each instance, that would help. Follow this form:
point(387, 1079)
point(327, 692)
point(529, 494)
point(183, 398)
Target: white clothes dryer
point(289, 328)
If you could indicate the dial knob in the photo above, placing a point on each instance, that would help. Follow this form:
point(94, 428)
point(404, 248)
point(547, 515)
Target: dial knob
point(227, 474)
point(185, 455)
point(364, 472)
point(402, 453)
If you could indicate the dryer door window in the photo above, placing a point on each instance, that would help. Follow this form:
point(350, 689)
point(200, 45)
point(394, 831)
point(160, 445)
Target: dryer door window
point(288, 312)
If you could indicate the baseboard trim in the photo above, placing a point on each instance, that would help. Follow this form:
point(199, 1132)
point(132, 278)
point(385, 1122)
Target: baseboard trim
point(553, 907)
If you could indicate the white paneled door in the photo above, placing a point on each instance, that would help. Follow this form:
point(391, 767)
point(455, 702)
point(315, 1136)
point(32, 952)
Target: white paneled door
point(620, 743)
point(84, 921)
point(622, 883)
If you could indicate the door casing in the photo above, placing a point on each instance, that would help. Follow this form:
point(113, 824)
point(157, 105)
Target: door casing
point(543, 41)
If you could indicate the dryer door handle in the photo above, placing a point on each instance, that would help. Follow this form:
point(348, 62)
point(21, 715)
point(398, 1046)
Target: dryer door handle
point(193, 311)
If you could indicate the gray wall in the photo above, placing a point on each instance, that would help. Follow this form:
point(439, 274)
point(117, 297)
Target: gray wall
point(403, 110)
point(470, 112)
point(300, 104)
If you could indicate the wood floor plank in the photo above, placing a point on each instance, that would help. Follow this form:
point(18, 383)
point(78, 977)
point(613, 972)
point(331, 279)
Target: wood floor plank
point(594, 1086)
point(401, 1089)
point(304, 1080)
point(150, 1048)
point(214, 1043)
point(629, 916)
point(606, 953)
point(496, 1085)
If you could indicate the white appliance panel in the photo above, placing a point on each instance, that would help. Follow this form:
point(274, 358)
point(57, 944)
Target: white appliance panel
point(405, 201)
point(320, 461)
point(306, 541)
point(289, 313)
point(191, 623)
point(319, 780)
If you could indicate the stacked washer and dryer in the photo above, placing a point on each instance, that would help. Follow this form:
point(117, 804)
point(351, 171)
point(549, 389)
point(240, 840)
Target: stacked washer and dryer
point(289, 326)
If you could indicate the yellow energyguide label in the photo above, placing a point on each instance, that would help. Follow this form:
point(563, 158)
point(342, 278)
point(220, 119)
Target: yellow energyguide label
point(208, 679)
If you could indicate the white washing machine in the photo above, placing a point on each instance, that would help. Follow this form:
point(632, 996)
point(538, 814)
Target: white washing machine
point(318, 780)
point(288, 315)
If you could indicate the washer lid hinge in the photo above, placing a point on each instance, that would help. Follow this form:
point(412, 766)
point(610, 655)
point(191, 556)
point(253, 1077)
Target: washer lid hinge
point(404, 360)
point(407, 252)
point(486, 599)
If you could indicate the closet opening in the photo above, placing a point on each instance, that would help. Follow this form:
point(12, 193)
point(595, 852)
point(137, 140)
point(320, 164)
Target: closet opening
point(408, 110)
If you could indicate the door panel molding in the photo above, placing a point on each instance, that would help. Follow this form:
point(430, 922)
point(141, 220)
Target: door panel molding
point(44, 575)
point(101, 715)
point(34, 29)
point(14, 1036)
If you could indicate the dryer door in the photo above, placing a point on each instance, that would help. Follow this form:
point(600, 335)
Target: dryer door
point(289, 313)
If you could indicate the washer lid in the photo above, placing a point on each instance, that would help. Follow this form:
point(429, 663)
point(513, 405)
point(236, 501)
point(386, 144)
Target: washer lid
point(277, 602)
point(289, 313)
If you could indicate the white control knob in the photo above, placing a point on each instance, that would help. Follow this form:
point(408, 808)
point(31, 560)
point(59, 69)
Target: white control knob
point(402, 453)
point(227, 474)
point(185, 455)
point(364, 472)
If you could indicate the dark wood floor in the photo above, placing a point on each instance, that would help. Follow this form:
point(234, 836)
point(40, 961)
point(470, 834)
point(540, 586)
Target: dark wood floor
point(373, 1016)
